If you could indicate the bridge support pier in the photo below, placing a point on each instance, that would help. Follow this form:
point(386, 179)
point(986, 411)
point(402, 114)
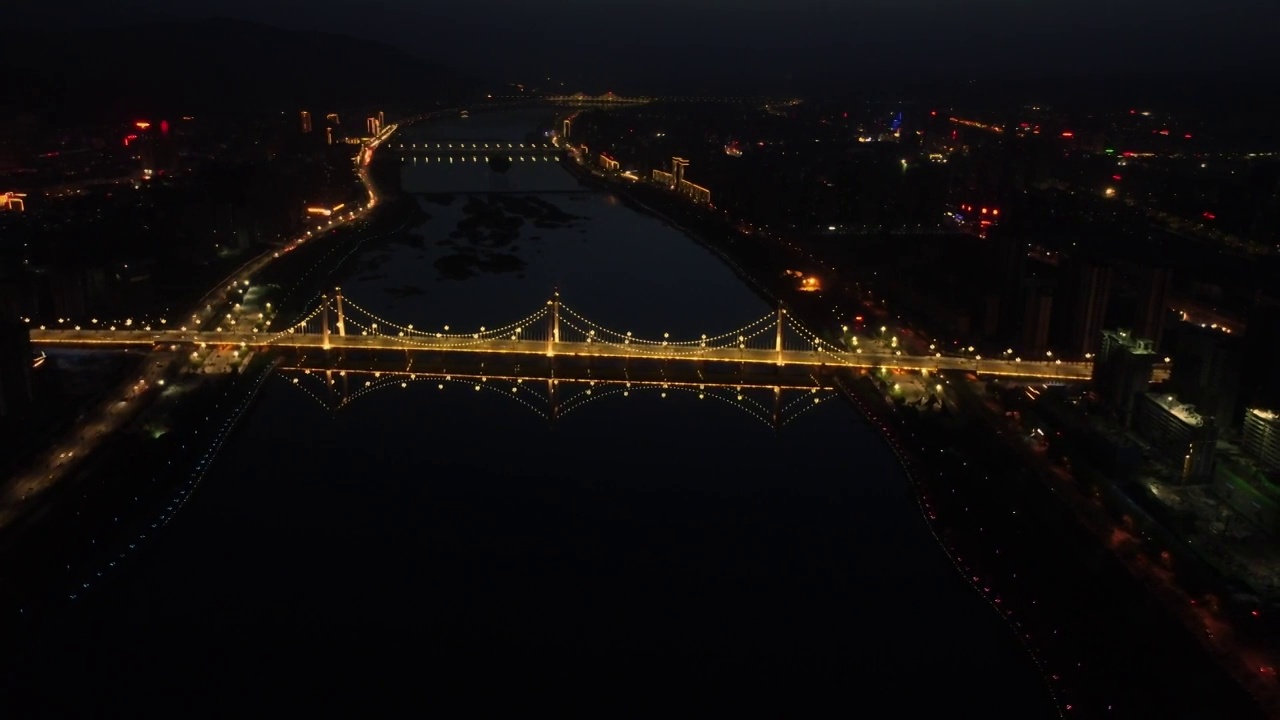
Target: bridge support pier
point(777, 407)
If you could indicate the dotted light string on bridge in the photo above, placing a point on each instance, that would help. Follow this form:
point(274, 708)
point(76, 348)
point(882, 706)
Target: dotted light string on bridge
point(805, 404)
point(705, 341)
point(451, 342)
point(128, 324)
point(648, 348)
point(819, 345)
point(537, 402)
point(583, 399)
point(410, 331)
point(481, 384)
point(300, 324)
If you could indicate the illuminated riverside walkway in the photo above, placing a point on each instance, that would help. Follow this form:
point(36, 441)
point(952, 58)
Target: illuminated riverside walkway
point(556, 329)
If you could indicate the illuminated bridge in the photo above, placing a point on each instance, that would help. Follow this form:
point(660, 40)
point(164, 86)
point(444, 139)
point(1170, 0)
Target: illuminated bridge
point(613, 99)
point(470, 147)
point(555, 329)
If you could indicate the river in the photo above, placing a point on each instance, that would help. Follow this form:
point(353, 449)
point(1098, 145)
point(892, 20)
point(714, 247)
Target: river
point(435, 544)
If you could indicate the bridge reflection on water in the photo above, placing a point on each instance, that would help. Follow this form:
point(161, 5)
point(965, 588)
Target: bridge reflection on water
point(553, 391)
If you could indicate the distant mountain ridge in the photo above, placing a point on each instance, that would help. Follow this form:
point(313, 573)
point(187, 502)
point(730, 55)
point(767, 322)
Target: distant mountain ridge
point(211, 65)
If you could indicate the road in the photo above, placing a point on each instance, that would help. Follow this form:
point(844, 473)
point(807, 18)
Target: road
point(1053, 370)
point(19, 493)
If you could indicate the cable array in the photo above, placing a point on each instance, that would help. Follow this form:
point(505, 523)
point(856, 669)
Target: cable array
point(557, 324)
point(733, 337)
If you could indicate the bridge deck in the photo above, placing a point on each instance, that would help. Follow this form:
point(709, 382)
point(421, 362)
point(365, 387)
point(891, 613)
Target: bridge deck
point(1055, 370)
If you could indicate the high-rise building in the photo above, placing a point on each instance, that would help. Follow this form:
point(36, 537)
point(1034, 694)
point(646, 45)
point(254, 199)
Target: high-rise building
point(382, 119)
point(333, 118)
point(1261, 436)
point(157, 149)
point(678, 165)
point(1036, 319)
point(1122, 370)
point(1153, 307)
point(1260, 383)
point(1009, 265)
point(1185, 437)
point(372, 126)
point(1085, 290)
point(328, 136)
point(1207, 371)
point(306, 121)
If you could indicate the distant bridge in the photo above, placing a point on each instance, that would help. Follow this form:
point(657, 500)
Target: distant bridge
point(557, 330)
point(470, 147)
point(613, 99)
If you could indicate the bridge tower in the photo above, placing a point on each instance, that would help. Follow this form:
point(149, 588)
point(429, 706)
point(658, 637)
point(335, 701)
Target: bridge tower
point(777, 345)
point(337, 297)
point(324, 321)
point(553, 337)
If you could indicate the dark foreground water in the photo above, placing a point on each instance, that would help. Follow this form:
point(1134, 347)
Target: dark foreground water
point(431, 548)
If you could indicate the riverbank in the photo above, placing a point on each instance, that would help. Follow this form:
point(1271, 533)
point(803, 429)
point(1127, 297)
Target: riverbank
point(1082, 672)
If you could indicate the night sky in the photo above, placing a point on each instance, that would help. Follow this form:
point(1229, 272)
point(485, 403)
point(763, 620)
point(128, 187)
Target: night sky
point(762, 42)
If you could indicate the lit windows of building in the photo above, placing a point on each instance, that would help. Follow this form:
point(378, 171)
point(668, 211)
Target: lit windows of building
point(333, 118)
point(678, 166)
point(1261, 436)
point(372, 126)
point(306, 121)
point(1180, 433)
point(328, 136)
point(696, 193)
point(609, 163)
point(1122, 370)
point(382, 119)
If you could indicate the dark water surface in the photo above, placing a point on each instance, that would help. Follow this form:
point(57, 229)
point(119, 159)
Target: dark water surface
point(425, 546)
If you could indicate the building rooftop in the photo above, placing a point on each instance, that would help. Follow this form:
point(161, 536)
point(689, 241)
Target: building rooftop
point(1182, 411)
point(1131, 342)
point(1263, 414)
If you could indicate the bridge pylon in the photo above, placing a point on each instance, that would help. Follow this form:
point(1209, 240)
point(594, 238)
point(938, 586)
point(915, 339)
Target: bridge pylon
point(324, 321)
point(553, 337)
point(777, 345)
point(337, 298)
